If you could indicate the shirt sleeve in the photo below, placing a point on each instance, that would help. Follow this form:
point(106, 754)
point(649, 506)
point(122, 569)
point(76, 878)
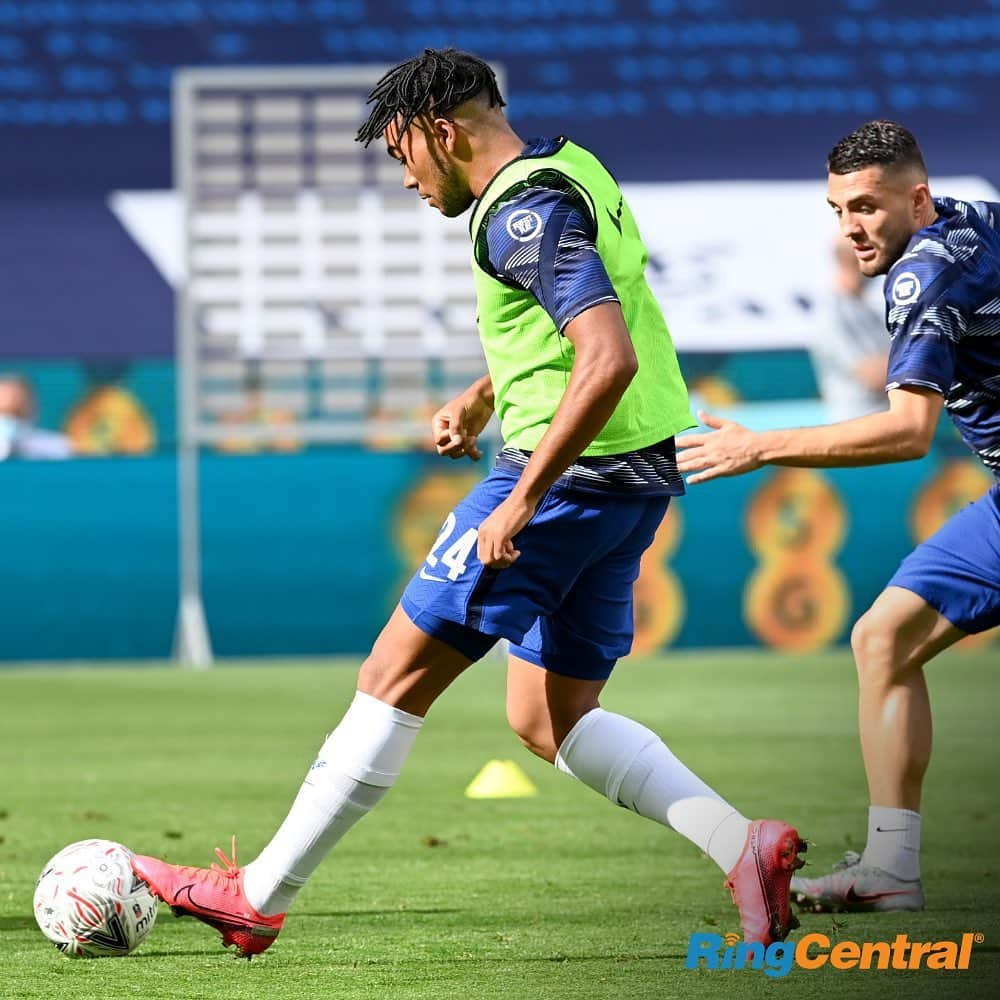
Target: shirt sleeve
point(542, 241)
point(924, 325)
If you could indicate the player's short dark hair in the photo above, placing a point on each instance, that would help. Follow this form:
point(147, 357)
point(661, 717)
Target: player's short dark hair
point(435, 82)
point(876, 144)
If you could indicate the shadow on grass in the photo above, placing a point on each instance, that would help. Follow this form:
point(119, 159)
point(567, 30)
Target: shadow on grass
point(16, 923)
point(376, 913)
point(459, 960)
point(513, 959)
point(569, 959)
point(191, 953)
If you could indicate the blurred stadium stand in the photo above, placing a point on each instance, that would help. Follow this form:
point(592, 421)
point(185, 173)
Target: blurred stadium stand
point(716, 116)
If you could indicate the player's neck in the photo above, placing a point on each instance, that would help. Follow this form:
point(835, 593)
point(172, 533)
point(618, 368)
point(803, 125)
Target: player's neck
point(496, 150)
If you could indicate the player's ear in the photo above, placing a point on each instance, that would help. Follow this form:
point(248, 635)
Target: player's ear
point(921, 197)
point(445, 133)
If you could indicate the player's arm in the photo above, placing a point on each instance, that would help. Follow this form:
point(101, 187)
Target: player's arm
point(924, 330)
point(901, 433)
point(603, 366)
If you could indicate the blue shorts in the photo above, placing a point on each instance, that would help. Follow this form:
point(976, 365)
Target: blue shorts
point(957, 570)
point(565, 604)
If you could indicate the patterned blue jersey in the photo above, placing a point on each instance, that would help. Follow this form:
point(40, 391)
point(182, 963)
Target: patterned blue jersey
point(943, 314)
point(563, 270)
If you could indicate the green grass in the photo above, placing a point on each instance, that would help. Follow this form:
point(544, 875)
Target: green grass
point(559, 896)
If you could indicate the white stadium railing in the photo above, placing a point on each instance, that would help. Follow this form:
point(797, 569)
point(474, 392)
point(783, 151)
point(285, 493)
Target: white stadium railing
point(314, 286)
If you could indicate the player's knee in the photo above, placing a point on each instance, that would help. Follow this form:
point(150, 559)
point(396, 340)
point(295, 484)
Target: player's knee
point(533, 729)
point(376, 677)
point(869, 643)
point(878, 649)
point(390, 679)
point(537, 743)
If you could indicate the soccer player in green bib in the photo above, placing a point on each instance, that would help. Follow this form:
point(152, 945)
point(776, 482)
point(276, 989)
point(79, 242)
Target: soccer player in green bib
point(545, 550)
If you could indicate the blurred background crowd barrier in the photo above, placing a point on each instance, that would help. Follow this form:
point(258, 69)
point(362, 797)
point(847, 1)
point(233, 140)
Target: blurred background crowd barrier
point(215, 236)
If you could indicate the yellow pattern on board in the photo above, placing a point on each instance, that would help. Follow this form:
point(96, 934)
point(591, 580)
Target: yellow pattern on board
point(796, 599)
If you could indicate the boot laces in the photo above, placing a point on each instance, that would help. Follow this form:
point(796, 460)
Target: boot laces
point(849, 860)
point(225, 875)
point(229, 868)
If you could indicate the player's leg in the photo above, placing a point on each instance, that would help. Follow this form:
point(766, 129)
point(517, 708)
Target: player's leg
point(559, 718)
point(357, 764)
point(555, 677)
point(892, 641)
point(424, 646)
point(947, 588)
point(360, 760)
point(543, 707)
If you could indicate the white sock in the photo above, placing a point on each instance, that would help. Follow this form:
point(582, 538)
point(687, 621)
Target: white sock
point(356, 766)
point(631, 766)
point(894, 841)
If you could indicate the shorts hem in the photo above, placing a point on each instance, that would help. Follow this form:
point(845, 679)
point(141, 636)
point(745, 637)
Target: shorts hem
point(466, 640)
point(939, 604)
point(595, 668)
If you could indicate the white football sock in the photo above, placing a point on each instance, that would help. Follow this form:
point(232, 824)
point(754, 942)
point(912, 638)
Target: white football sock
point(631, 766)
point(894, 842)
point(356, 766)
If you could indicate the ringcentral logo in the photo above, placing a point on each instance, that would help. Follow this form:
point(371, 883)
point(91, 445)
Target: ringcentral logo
point(813, 951)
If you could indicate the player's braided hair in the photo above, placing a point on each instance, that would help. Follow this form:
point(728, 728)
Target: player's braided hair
point(435, 82)
point(876, 144)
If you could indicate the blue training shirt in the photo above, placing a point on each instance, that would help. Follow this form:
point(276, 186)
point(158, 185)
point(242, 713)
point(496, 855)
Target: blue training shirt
point(565, 274)
point(943, 315)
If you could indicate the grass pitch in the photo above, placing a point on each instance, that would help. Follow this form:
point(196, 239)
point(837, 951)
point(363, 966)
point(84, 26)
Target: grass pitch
point(435, 895)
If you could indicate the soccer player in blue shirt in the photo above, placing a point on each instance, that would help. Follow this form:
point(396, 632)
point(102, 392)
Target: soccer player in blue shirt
point(942, 291)
point(544, 551)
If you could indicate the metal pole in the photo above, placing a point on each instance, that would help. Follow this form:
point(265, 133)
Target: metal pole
point(192, 646)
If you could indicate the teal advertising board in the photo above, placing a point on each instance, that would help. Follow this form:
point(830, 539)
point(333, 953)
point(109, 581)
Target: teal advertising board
point(306, 553)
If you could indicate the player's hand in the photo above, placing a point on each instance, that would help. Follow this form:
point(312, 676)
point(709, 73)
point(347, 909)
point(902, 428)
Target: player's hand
point(729, 450)
point(496, 534)
point(457, 425)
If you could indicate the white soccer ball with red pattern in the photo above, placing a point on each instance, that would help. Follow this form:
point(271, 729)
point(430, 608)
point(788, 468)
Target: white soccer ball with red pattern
point(89, 903)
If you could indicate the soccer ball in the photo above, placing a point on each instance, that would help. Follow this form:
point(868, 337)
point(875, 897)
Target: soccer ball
point(89, 903)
